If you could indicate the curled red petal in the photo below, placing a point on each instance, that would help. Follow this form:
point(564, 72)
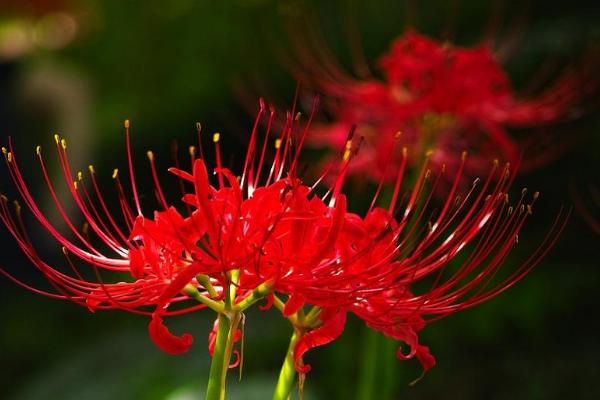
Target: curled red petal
point(270, 298)
point(334, 321)
point(425, 357)
point(165, 340)
point(237, 360)
point(294, 303)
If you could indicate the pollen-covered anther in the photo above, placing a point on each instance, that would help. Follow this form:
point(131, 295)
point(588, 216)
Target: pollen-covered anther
point(79, 175)
point(115, 173)
point(277, 144)
point(91, 169)
point(63, 144)
point(150, 155)
point(216, 137)
point(126, 124)
point(192, 151)
point(38, 150)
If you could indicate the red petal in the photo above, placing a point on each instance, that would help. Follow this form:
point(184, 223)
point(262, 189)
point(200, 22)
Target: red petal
point(270, 298)
point(294, 303)
point(136, 263)
point(334, 321)
point(165, 340)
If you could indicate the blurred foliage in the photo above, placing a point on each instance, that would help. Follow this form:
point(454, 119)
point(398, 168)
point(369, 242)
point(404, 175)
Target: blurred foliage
point(166, 66)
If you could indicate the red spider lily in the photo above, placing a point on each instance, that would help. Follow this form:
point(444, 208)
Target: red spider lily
point(411, 246)
point(266, 234)
point(444, 97)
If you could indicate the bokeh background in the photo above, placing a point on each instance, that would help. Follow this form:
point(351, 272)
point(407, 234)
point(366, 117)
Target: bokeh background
point(81, 67)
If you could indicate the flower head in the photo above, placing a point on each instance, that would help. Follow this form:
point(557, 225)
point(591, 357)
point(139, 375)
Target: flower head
point(446, 97)
point(265, 234)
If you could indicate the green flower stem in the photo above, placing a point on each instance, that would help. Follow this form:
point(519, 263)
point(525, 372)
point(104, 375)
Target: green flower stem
point(257, 294)
point(228, 324)
point(287, 374)
point(191, 291)
point(367, 377)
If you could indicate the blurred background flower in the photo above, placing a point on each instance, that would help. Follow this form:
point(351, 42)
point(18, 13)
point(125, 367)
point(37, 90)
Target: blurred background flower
point(81, 68)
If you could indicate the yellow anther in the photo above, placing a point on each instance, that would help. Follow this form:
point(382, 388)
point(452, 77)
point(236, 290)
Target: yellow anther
point(348, 144)
point(115, 173)
point(150, 155)
point(192, 150)
point(126, 124)
point(9, 156)
point(75, 185)
point(91, 168)
point(347, 154)
point(216, 137)
point(277, 144)
point(463, 156)
point(79, 175)
point(56, 138)
point(63, 143)
point(428, 153)
point(404, 151)
point(38, 150)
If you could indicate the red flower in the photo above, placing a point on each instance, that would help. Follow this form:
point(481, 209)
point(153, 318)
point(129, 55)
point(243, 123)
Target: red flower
point(444, 97)
point(267, 234)
point(412, 274)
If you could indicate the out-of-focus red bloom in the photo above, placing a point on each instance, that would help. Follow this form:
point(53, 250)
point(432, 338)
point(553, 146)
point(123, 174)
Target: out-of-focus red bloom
point(266, 234)
point(444, 97)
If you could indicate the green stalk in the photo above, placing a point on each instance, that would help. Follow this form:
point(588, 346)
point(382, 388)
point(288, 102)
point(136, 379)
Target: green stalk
point(222, 356)
point(287, 375)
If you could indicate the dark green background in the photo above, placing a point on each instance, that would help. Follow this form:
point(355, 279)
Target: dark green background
point(166, 65)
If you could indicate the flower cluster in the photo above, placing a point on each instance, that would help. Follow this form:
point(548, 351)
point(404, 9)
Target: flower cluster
point(445, 97)
point(267, 235)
